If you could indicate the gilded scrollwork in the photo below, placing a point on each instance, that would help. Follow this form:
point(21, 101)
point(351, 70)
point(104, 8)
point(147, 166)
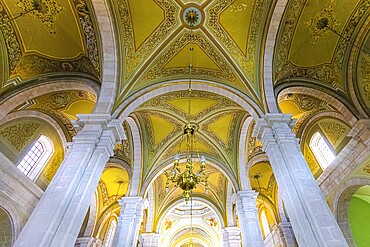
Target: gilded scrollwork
point(320, 24)
point(53, 166)
point(157, 70)
point(33, 65)
point(19, 134)
point(53, 104)
point(260, 6)
point(229, 146)
point(333, 130)
point(304, 102)
point(47, 12)
point(328, 73)
point(213, 23)
point(12, 44)
point(133, 56)
point(89, 33)
point(162, 102)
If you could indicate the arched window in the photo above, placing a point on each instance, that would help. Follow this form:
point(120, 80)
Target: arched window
point(108, 240)
point(321, 150)
point(265, 223)
point(36, 158)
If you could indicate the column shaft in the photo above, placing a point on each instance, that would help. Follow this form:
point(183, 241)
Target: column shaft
point(59, 214)
point(248, 218)
point(129, 221)
point(310, 216)
point(231, 236)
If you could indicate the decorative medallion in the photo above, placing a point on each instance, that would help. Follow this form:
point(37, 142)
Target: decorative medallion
point(192, 16)
point(46, 11)
point(322, 22)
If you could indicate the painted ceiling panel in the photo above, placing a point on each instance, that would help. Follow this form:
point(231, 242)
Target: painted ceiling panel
point(199, 57)
point(163, 119)
point(310, 50)
point(161, 128)
point(141, 26)
point(221, 127)
point(239, 12)
point(197, 105)
point(59, 37)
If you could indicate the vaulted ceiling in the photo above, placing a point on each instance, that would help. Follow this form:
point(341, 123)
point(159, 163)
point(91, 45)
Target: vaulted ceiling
point(153, 40)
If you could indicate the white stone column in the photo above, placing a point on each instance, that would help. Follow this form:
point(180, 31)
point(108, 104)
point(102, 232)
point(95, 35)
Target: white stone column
point(312, 221)
point(58, 216)
point(248, 218)
point(150, 239)
point(131, 216)
point(88, 242)
point(231, 236)
point(286, 234)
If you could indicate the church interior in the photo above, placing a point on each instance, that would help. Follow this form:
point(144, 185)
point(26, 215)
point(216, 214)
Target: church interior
point(176, 123)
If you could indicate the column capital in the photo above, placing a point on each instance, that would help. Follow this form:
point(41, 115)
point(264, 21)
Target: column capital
point(248, 217)
point(133, 206)
point(245, 200)
point(270, 120)
point(104, 120)
point(150, 239)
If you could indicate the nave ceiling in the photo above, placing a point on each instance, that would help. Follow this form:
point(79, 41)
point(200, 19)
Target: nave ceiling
point(153, 44)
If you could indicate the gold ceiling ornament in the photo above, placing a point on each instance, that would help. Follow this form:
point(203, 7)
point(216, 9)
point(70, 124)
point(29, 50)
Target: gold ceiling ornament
point(238, 7)
point(322, 22)
point(47, 11)
point(187, 180)
point(192, 16)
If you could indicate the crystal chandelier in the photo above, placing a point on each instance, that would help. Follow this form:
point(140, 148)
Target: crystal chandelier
point(187, 180)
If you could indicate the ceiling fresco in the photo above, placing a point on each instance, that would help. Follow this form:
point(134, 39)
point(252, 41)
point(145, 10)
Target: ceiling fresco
point(155, 43)
point(60, 37)
point(163, 119)
point(306, 52)
point(62, 107)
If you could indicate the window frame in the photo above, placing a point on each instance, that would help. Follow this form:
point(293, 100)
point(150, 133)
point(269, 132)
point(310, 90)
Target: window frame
point(320, 156)
point(42, 160)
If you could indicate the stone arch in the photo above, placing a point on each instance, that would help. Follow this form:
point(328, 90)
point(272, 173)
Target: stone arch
point(129, 105)
point(7, 209)
point(352, 65)
point(268, 60)
point(243, 154)
point(338, 105)
point(109, 48)
point(137, 156)
point(38, 115)
point(341, 203)
point(12, 100)
point(313, 119)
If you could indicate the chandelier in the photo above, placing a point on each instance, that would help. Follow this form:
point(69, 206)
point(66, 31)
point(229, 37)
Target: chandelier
point(187, 179)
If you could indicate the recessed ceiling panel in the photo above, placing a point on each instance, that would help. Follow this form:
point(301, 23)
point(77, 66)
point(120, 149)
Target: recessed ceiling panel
point(146, 17)
point(56, 34)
